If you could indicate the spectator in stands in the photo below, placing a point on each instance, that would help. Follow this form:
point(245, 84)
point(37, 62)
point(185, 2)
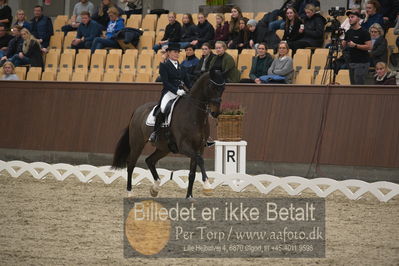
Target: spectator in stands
point(280, 23)
point(346, 25)
point(9, 72)
point(379, 52)
point(88, 30)
point(31, 53)
point(189, 64)
point(252, 34)
point(240, 41)
point(15, 45)
point(5, 38)
point(130, 7)
point(302, 4)
point(389, 9)
point(115, 24)
point(42, 27)
point(292, 26)
point(234, 25)
point(82, 5)
point(260, 64)
point(372, 14)
point(172, 32)
point(20, 19)
point(225, 63)
point(5, 14)
point(357, 42)
point(312, 31)
point(204, 62)
point(101, 16)
point(383, 75)
point(189, 32)
point(282, 69)
point(206, 32)
point(221, 31)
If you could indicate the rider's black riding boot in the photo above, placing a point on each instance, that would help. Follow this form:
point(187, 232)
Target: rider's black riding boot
point(158, 122)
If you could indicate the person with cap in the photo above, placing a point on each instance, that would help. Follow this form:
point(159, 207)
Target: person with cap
point(357, 43)
point(174, 81)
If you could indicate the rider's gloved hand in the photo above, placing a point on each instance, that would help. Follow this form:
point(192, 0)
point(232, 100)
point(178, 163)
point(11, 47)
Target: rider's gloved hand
point(180, 92)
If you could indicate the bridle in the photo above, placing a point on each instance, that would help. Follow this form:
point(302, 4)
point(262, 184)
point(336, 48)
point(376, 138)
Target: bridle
point(214, 100)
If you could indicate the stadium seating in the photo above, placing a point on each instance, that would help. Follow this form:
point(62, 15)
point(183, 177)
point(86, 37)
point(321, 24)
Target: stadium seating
point(48, 75)
point(126, 77)
point(146, 42)
point(143, 77)
point(304, 77)
point(134, 21)
point(56, 40)
point(64, 76)
point(301, 61)
point(97, 62)
point(244, 65)
point(111, 77)
point(149, 22)
point(67, 61)
point(323, 77)
point(21, 72)
point(52, 60)
point(95, 77)
point(248, 15)
point(343, 77)
point(113, 62)
point(79, 76)
point(128, 62)
point(319, 61)
point(33, 75)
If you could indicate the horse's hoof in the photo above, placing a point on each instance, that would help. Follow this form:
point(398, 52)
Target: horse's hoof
point(190, 199)
point(129, 194)
point(154, 190)
point(207, 189)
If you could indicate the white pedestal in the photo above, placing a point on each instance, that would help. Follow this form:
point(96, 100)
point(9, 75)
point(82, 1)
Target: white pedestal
point(230, 157)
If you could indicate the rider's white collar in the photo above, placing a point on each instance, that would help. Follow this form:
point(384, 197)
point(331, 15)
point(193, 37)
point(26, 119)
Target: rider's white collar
point(175, 63)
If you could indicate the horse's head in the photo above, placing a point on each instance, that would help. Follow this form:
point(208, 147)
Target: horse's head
point(215, 90)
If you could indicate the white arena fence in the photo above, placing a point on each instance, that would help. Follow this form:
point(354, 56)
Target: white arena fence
point(293, 185)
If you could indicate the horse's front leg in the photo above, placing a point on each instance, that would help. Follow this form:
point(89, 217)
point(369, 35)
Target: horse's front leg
point(207, 190)
point(191, 178)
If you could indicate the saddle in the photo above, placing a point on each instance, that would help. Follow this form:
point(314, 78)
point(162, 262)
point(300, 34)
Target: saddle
point(168, 113)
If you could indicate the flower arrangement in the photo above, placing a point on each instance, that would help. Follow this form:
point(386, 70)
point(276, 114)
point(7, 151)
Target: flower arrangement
point(231, 108)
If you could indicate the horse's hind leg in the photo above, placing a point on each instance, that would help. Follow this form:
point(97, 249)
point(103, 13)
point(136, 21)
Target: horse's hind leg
point(136, 149)
point(151, 162)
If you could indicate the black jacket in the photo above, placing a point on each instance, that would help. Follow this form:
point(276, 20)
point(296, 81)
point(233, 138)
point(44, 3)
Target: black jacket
point(14, 46)
point(5, 13)
point(172, 78)
point(314, 30)
point(129, 35)
point(172, 32)
point(206, 32)
point(35, 54)
point(197, 70)
point(293, 34)
point(189, 33)
point(42, 28)
point(379, 53)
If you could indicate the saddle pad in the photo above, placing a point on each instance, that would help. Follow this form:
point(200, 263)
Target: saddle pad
point(151, 118)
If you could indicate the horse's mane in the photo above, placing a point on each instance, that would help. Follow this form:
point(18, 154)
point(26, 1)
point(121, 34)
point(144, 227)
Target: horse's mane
point(201, 82)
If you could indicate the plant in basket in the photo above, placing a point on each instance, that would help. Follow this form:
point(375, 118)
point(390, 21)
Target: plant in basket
point(229, 126)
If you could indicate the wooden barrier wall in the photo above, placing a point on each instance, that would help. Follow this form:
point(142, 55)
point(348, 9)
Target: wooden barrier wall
point(282, 123)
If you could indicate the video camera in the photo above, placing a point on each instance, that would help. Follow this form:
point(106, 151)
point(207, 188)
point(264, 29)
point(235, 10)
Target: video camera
point(337, 11)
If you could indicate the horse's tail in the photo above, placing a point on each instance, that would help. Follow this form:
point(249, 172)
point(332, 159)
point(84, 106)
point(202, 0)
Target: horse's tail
point(122, 151)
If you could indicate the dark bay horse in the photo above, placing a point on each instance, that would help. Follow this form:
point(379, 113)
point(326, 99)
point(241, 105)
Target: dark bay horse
point(189, 128)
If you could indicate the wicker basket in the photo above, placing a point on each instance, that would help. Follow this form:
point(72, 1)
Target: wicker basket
point(229, 127)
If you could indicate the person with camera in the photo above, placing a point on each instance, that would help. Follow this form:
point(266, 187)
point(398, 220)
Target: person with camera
point(357, 43)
